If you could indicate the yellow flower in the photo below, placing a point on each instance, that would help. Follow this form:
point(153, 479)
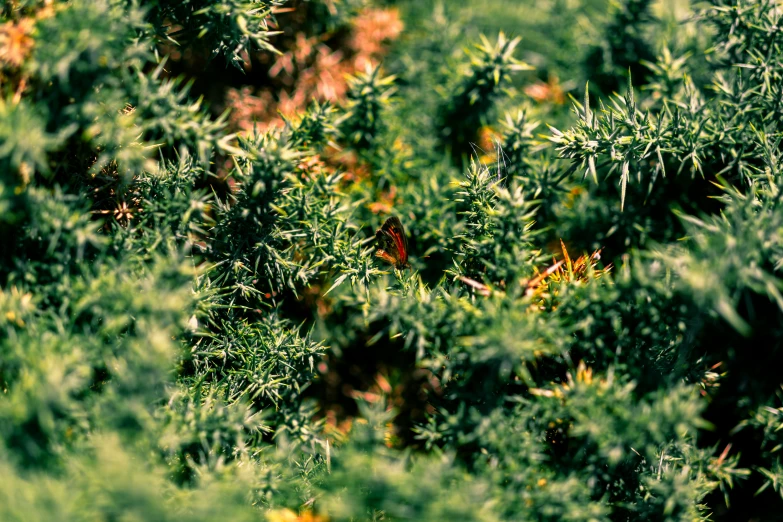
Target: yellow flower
point(287, 515)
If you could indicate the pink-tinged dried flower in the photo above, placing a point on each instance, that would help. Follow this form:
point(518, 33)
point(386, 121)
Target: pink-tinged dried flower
point(311, 166)
point(372, 30)
point(311, 70)
point(551, 91)
point(249, 111)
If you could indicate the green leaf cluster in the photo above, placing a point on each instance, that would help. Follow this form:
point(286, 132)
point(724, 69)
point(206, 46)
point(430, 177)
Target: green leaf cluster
point(193, 324)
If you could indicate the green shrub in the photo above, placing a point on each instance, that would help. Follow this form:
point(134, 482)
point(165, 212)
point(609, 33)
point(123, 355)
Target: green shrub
point(194, 325)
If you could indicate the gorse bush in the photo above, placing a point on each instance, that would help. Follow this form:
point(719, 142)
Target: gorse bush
point(195, 326)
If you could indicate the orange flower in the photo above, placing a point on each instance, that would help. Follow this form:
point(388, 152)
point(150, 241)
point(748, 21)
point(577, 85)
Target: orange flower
point(15, 41)
point(582, 268)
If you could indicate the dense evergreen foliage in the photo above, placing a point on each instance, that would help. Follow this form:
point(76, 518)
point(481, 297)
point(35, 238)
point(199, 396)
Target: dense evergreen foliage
point(193, 325)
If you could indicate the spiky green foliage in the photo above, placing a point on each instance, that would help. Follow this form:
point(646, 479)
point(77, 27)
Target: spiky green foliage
point(368, 95)
point(226, 29)
point(626, 46)
point(469, 104)
point(193, 325)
